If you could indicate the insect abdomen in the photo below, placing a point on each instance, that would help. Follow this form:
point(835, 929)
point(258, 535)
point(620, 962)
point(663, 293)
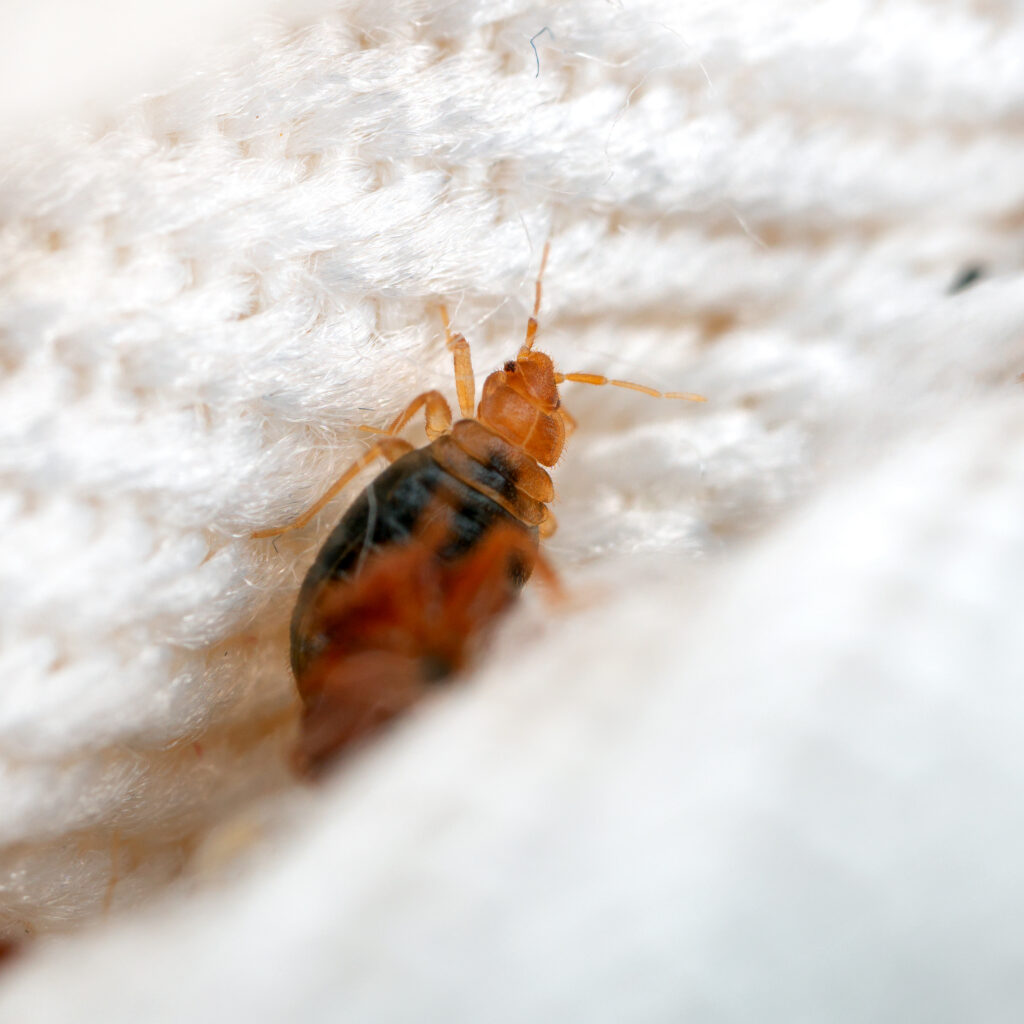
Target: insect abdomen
point(415, 496)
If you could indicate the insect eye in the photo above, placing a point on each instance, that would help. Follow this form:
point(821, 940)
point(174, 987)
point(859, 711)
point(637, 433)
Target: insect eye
point(510, 366)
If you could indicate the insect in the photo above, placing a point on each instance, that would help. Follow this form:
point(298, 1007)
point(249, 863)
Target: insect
point(431, 553)
point(8, 951)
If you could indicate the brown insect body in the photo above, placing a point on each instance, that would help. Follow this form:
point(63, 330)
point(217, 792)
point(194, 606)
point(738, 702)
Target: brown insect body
point(431, 553)
point(423, 561)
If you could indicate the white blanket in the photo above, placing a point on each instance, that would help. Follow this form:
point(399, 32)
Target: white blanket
point(767, 764)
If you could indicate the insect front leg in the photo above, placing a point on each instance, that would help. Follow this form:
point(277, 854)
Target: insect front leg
point(390, 448)
point(465, 384)
point(436, 412)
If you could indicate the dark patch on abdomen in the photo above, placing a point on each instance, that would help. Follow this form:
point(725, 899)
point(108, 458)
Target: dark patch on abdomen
point(388, 511)
point(508, 471)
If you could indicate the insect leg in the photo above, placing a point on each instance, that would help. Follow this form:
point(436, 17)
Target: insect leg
point(548, 525)
point(436, 411)
point(548, 575)
point(115, 858)
point(568, 420)
point(531, 326)
point(390, 448)
point(465, 385)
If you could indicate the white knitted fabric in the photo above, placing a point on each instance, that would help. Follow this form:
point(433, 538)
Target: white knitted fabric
point(768, 764)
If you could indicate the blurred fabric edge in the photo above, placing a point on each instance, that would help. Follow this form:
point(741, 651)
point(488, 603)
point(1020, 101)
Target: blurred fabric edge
point(79, 61)
point(813, 822)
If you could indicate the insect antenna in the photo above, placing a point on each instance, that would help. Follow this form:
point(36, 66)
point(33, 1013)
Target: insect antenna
point(599, 381)
point(531, 326)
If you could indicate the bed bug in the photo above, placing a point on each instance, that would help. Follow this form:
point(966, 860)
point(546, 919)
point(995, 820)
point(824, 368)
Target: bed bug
point(434, 549)
point(9, 949)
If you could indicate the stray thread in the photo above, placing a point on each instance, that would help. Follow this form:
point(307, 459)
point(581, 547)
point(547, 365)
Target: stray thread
point(534, 48)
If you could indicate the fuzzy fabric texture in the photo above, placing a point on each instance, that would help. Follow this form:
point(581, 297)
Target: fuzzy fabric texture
point(767, 762)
